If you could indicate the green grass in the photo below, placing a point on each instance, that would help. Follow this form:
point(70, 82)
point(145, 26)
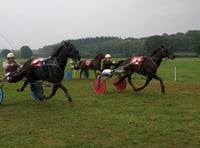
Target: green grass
point(116, 119)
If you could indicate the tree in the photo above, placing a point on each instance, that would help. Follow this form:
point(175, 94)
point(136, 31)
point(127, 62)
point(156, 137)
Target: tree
point(154, 42)
point(195, 41)
point(4, 53)
point(196, 46)
point(26, 52)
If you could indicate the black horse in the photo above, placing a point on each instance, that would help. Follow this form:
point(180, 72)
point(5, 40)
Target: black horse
point(146, 66)
point(49, 69)
point(94, 64)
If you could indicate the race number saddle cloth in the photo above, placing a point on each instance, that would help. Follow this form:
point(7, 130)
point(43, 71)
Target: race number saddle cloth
point(38, 62)
point(136, 61)
point(44, 62)
point(88, 62)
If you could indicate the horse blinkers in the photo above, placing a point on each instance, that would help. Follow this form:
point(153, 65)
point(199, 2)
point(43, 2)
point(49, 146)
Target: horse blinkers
point(74, 54)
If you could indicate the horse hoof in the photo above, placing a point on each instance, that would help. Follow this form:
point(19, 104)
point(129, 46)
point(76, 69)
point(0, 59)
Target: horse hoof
point(18, 90)
point(71, 104)
point(163, 90)
point(41, 101)
point(44, 97)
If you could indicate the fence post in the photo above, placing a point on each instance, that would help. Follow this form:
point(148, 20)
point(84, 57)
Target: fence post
point(175, 74)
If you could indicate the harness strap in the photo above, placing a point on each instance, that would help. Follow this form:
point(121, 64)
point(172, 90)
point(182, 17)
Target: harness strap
point(153, 63)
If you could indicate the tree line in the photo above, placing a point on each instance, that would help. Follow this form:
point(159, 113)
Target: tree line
point(24, 52)
point(183, 44)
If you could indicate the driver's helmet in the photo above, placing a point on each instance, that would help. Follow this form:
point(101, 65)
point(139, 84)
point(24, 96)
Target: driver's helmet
point(107, 56)
point(10, 55)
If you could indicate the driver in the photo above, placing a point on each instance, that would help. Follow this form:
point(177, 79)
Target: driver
point(10, 65)
point(107, 63)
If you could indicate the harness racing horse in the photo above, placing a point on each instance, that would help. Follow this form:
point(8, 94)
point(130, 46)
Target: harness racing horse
point(146, 66)
point(94, 64)
point(48, 69)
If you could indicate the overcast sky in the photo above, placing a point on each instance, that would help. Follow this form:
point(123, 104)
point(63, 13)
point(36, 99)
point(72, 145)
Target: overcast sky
point(37, 23)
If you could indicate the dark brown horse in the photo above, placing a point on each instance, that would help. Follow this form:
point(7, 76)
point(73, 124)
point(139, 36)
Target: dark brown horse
point(146, 66)
point(94, 64)
point(50, 69)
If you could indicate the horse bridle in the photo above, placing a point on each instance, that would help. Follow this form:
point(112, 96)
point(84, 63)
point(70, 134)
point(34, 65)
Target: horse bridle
point(73, 53)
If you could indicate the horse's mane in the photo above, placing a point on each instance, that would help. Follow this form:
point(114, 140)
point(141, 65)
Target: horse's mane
point(98, 55)
point(56, 51)
point(156, 50)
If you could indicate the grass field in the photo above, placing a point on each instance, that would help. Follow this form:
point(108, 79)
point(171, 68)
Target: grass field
point(116, 119)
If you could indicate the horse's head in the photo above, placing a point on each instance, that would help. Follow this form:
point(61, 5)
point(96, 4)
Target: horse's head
point(167, 53)
point(164, 53)
point(74, 53)
point(65, 51)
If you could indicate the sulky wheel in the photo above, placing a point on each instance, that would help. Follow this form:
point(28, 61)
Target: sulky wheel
point(1, 95)
point(36, 91)
point(99, 86)
point(121, 86)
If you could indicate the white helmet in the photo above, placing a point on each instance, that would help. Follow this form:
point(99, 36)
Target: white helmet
point(107, 56)
point(10, 55)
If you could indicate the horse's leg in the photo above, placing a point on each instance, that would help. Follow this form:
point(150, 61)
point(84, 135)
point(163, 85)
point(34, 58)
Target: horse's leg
point(146, 83)
point(130, 82)
point(95, 71)
point(54, 89)
point(66, 94)
point(81, 73)
point(23, 87)
point(162, 86)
